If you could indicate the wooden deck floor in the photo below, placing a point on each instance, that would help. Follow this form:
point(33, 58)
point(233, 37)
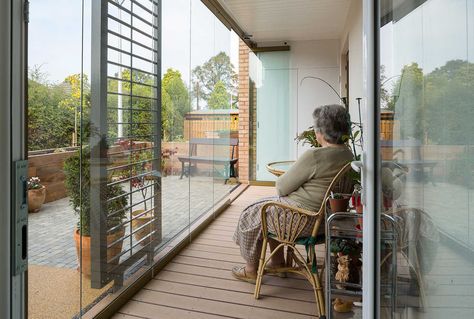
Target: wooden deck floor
point(198, 282)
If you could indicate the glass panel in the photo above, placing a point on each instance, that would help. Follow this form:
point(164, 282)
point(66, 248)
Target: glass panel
point(202, 134)
point(223, 102)
point(83, 103)
point(275, 100)
point(118, 180)
point(427, 115)
point(175, 104)
point(54, 95)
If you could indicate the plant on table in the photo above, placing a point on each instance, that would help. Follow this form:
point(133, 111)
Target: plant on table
point(338, 202)
point(308, 137)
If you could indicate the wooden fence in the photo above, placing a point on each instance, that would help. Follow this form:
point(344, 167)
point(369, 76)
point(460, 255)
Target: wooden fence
point(210, 126)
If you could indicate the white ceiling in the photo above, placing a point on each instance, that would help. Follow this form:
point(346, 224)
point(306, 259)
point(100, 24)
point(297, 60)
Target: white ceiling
point(289, 20)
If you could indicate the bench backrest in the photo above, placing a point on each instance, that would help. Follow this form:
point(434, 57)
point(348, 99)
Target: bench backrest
point(215, 141)
point(194, 142)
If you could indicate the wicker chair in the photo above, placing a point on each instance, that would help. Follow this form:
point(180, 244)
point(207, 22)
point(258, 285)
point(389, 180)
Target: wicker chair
point(288, 223)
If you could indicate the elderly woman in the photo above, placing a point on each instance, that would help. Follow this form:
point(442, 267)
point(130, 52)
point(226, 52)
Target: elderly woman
point(303, 185)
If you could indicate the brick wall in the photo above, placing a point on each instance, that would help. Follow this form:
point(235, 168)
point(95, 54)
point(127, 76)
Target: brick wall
point(244, 113)
point(253, 131)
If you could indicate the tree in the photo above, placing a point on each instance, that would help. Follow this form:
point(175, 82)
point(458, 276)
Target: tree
point(385, 97)
point(409, 107)
point(50, 122)
point(449, 92)
point(219, 98)
point(216, 69)
point(177, 99)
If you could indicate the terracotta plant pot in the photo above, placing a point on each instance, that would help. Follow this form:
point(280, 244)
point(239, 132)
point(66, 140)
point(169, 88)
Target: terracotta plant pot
point(36, 199)
point(339, 205)
point(138, 222)
point(86, 249)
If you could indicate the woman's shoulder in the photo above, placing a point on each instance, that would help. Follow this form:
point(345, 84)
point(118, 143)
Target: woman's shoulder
point(321, 151)
point(311, 154)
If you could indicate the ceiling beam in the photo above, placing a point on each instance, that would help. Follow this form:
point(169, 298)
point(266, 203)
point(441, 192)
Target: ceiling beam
point(275, 48)
point(228, 21)
point(221, 13)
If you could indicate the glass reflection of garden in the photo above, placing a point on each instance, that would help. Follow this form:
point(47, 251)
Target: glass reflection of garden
point(432, 135)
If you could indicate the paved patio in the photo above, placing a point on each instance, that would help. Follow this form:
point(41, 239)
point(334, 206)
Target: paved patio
point(50, 236)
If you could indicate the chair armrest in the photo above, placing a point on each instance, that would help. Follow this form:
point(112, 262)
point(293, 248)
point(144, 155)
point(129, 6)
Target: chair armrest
point(286, 221)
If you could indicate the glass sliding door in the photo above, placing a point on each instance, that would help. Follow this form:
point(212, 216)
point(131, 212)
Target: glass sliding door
point(276, 97)
point(130, 140)
point(174, 106)
point(55, 74)
point(426, 151)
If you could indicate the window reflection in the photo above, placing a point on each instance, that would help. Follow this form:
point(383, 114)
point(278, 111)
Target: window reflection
point(427, 108)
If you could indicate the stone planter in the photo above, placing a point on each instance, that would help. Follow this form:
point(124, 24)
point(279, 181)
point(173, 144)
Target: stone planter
point(36, 199)
point(112, 252)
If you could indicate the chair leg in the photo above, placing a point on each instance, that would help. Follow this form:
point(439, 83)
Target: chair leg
point(319, 294)
point(317, 287)
point(261, 268)
point(421, 285)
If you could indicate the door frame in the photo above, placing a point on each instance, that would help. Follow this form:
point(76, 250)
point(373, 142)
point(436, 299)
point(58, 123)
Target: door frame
point(371, 162)
point(5, 107)
point(13, 289)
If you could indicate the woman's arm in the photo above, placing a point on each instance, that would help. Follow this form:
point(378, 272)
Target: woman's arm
point(299, 173)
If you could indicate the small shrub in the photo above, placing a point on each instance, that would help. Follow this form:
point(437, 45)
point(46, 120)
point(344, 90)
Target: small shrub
point(78, 188)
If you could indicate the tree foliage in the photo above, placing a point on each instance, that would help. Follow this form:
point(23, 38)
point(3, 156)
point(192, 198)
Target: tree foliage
point(176, 97)
point(409, 108)
point(205, 78)
point(449, 94)
point(219, 98)
point(52, 109)
point(437, 107)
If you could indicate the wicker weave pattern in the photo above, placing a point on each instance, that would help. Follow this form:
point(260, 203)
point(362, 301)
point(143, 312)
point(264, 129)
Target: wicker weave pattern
point(287, 223)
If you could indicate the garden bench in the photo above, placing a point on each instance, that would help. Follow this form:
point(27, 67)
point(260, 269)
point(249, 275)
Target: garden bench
point(193, 158)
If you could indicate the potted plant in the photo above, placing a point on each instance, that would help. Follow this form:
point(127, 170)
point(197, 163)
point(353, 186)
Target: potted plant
point(338, 202)
point(36, 194)
point(308, 137)
point(78, 182)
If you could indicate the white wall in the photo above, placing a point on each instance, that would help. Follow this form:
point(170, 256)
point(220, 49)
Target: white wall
point(318, 59)
point(352, 41)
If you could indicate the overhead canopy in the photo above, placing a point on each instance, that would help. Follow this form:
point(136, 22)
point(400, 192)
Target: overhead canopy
point(394, 10)
point(278, 21)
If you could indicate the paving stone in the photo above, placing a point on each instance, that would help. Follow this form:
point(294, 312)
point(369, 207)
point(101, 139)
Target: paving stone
point(50, 235)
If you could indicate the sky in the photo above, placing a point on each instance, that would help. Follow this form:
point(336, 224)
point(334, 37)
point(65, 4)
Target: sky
point(431, 35)
point(191, 35)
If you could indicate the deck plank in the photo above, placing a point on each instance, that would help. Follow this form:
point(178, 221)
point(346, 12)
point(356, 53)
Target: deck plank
point(212, 306)
point(198, 283)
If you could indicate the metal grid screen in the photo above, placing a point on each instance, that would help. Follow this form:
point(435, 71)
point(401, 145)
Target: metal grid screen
point(125, 137)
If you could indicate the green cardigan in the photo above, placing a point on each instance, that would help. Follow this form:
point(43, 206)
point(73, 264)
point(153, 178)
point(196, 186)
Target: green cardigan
point(307, 180)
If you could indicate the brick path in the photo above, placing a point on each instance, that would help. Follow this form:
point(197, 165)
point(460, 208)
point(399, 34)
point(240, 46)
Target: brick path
point(51, 241)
